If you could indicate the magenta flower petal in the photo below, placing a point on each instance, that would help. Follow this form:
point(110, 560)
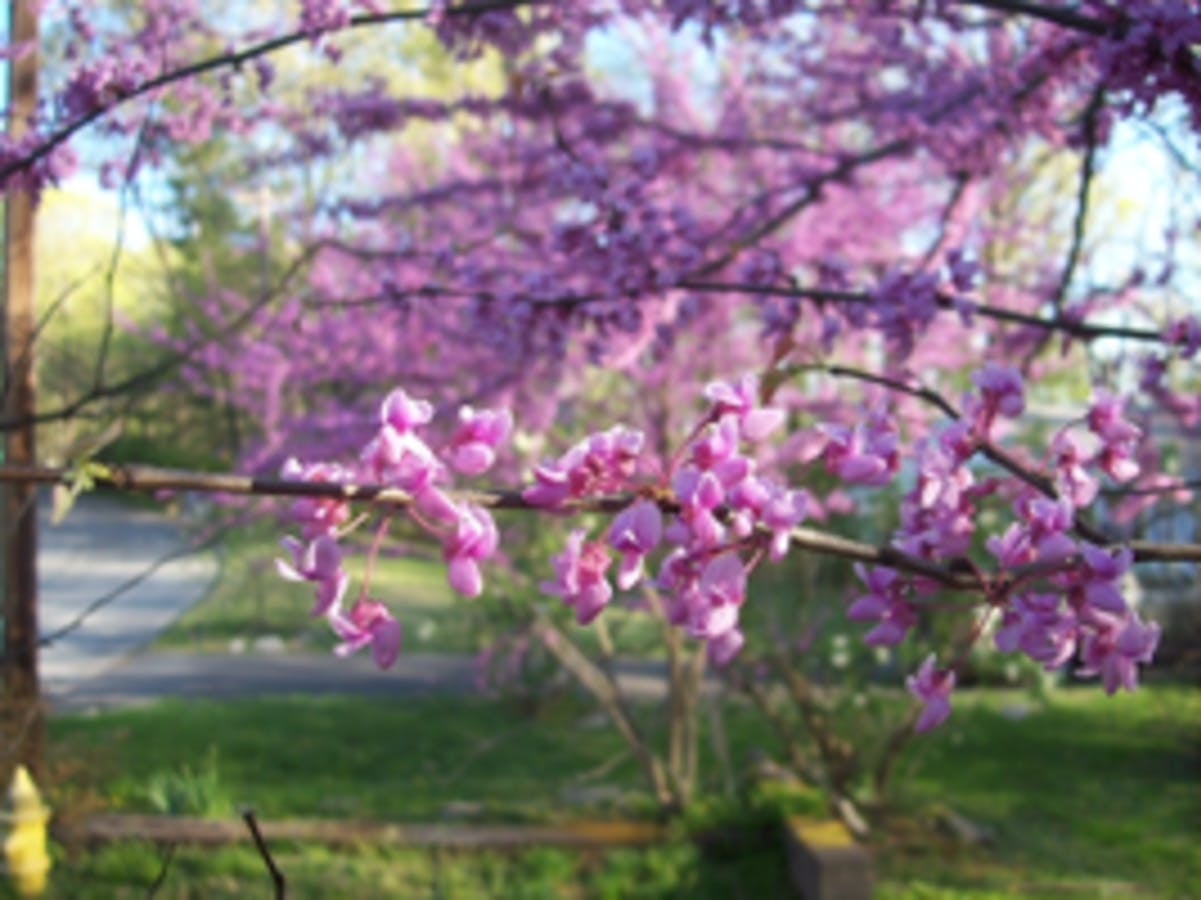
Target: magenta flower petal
point(725, 647)
point(935, 712)
point(473, 458)
point(385, 641)
point(464, 576)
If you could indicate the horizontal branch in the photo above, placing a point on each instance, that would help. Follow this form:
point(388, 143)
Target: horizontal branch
point(1058, 15)
point(1065, 324)
point(154, 479)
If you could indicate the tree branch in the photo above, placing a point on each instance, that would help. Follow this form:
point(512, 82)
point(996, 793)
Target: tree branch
point(153, 478)
point(277, 877)
point(1057, 15)
point(1077, 329)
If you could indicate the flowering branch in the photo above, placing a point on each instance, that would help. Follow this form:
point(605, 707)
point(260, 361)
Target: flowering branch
point(945, 301)
point(235, 60)
point(155, 479)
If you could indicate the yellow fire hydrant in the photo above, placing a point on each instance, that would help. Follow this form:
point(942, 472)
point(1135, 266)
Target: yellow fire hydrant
point(25, 846)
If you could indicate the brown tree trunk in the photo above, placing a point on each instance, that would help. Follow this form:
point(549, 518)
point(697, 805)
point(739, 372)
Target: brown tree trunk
point(22, 713)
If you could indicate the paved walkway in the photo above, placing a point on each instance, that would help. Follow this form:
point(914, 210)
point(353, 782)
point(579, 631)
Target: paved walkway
point(101, 547)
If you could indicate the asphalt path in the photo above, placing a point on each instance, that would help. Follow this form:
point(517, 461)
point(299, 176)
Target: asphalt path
point(110, 577)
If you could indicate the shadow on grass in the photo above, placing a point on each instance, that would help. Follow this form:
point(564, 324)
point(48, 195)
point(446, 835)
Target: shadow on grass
point(354, 757)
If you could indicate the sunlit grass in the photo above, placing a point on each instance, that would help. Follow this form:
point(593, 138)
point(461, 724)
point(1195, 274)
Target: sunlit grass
point(1090, 796)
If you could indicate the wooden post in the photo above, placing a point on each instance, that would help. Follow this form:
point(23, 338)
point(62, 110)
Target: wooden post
point(22, 707)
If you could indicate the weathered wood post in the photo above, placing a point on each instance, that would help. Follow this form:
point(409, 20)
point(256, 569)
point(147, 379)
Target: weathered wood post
point(22, 707)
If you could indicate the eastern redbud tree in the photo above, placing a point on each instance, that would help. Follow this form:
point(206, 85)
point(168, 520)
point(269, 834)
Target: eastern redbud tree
point(714, 271)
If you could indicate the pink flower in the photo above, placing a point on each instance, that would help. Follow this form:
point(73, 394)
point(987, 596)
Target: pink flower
point(635, 532)
point(1071, 478)
point(712, 611)
point(318, 561)
point(1119, 437)
point(1013, 548)
point(1104, 570)
point(317, 515)
point(1185, 333)
point(717, 443)
point(1105, 418)
point(368, 622)
point(723, 648)
point(1117, 461)
point(580, 577)
point(724, 579)
point(861, 455)
point(475, 440)
point(700, 493)
point(474, 539)
point(1002, 392)
point(398, 456)
point(741, 401)
point(783, 512)
point(403, 413)
point(937, 514)
point(1114, 646)
point(602, 463)
point(1034, 624)
point(884, 603)
point(933, 687)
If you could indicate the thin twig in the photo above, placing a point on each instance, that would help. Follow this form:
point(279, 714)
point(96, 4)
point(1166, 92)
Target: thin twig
point(164, 868)
point(1079, 220)
point(276, 875)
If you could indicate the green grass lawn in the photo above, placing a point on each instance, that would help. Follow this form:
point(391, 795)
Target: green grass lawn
point(1093, 796)
point(348, 756)
point(669, 871)
point(1090, 796)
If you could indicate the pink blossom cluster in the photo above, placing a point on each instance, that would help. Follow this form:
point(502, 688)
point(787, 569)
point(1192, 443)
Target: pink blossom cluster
point(1059, 596)
point(96, 85)
point(1185, 334)
point(397, 456)
point(711, 511)
point(467, 35)
point(904, 303)
point(50, 169)
point(938, 515)
point(864, 453)
point(1152, 51)
point(1088, 615)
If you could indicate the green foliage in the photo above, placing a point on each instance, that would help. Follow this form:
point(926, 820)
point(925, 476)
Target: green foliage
point(190, 792)
point(365, 873)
